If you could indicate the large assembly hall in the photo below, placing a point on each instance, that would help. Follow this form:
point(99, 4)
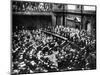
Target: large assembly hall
point(52, 37)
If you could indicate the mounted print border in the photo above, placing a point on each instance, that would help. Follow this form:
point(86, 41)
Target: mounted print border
point(52, 37)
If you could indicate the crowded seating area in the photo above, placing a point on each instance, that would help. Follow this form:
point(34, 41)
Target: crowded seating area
point(52, 37)
point(52, 50)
